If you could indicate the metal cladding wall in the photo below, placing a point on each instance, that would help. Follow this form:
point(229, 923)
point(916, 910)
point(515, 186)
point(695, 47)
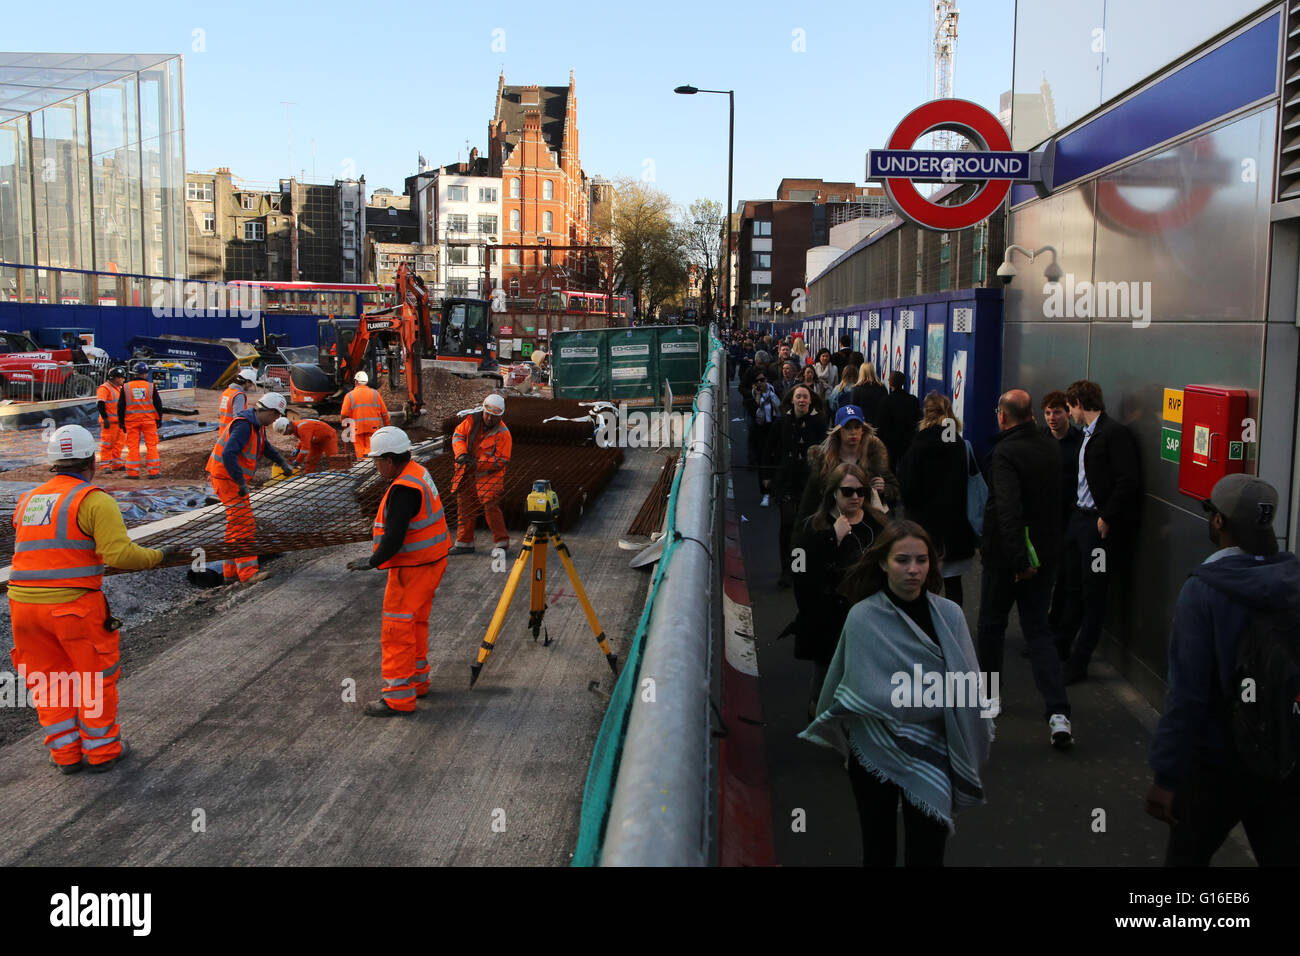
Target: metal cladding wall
point(1174, 274)
point(115, 326)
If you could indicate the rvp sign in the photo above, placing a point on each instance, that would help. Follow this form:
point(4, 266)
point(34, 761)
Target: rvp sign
point(994, 164)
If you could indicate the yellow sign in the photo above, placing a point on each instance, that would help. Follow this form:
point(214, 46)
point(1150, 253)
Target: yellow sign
point(1173, 409)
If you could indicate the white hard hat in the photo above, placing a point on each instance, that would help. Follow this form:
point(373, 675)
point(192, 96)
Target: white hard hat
point(388, 440)
point(281, 425)
point(496, 404)
point(362, 378)
point(274, 401)
point(70, 443)
point(248, 375)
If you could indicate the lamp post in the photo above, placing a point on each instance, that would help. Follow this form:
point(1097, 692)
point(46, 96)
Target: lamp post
point(689, 90)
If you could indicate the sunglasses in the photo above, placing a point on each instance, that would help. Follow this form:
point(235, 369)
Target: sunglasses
point(853, 492)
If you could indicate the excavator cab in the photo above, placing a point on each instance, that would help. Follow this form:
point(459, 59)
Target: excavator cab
point(464, 335)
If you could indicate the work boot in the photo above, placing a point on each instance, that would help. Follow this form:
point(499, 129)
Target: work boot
point(108, 765)
point(377, 708)
point(459, 548)
point(67, 768)
point(137, 478)
point(503, 545)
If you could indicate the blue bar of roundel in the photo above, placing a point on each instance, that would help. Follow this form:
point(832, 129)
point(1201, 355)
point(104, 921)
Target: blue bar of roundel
point(1241, 71)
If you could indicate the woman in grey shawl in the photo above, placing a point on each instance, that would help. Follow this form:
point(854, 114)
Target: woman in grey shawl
point(904, 701)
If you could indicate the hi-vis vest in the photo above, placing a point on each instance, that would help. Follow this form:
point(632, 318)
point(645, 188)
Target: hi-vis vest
point(248, 455)
point(490, 448)
point(226, 407)
point(426, 536)
point(139, 402)
point(362, 405)
point(108, 393)
point(50, 550)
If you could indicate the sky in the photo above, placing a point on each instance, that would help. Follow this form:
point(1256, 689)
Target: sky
point(372, 86)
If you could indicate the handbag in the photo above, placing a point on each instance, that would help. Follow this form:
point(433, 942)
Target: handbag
point(977, 492)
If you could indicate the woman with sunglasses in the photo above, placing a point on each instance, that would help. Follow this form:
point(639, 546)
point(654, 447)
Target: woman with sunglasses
point(833, 539)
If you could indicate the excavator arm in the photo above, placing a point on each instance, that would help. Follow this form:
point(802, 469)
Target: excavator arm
point(408, 322)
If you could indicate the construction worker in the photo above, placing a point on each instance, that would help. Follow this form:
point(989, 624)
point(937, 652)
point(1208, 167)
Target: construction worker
point(410, 542)
point(139, 409)
point(316, 440)
point(235, 398)
point(65, 640)
point(481, 444)
point(231, 466)
point(367, 411)
point(111, 437)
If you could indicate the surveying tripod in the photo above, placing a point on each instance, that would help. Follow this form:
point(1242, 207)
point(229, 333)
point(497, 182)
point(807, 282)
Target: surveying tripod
point(543, 508)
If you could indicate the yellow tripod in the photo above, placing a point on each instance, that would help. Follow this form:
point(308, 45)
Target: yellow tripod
point(543, 503)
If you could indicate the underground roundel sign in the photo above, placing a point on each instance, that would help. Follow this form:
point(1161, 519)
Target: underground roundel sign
point(993, 163)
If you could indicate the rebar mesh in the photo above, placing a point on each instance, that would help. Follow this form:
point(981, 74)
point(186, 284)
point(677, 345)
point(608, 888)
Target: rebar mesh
point(651, 516)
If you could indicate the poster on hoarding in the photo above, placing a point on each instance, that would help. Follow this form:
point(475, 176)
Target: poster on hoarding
point(959, 385)
point(883, 368)
point(914, 371)
point(900, 342)
point(934, 350)
point(874, 357)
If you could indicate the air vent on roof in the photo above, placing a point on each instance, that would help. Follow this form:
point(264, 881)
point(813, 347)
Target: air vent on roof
point(1288, 177)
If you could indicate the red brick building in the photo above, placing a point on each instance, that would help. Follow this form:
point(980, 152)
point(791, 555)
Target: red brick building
point(533, 147)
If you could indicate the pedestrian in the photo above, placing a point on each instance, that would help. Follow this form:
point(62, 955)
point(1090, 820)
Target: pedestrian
point(1021, 553)
point(900, 412)
point(842, 394)
point(481, 445)
point(837, 535)
point(932, 479)
point(1056, 415)
point(851, 441)
point(869, 393)
point(766, 408)
point(139, 409)
point(65, 531)
point(808, 377)
point(1103, 524)
point(111, 437)
point(826, 370)
point(365, 409)
point(799, 351)
point(899, 742)
point(316, 440)
point(800, 426)
point(231, 466)
point(235, 398)
point(789, 377)
point(1205, 784)
point(843, 357)
point(410, 542)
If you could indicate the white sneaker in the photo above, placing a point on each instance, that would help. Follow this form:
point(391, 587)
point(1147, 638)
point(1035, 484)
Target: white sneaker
point(766, 502)
point(1059, 726)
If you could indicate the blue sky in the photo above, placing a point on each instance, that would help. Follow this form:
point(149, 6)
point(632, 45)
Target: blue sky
point(375, 84)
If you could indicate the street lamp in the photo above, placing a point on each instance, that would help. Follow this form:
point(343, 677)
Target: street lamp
point(689, 90)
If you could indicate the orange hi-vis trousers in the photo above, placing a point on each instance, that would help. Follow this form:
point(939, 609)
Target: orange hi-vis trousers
point(404, 637)
point(361, 443)
point(483, 495)
point(111, 440)
point(239, 528)
point(53, 642)
point(148, 430)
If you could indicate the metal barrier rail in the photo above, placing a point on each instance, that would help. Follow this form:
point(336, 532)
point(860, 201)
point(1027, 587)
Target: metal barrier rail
point(659, 814)
point(51, 381)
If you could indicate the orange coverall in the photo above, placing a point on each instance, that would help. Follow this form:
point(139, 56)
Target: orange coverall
point(140, 413)
point(316, 440)
point(111, 437)
point(479, 488)
point(366, 408)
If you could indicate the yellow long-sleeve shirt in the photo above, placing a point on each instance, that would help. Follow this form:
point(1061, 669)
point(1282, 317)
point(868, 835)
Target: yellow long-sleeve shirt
point(99, 517)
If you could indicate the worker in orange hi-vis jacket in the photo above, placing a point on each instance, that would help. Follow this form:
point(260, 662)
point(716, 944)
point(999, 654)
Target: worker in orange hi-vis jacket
point(111, 437)
point(139, 409)
point(481, 445)
point(65, 638)
point(410, 542)
point(365, 409)
point(235, 398)
point(316, 440)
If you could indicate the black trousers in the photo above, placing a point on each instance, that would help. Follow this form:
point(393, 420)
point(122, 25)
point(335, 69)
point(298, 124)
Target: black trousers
point(999, 590)
point(1211, 801)
point(757, 444)
point(789, 509)
point(924, 838)
point(1086, 590)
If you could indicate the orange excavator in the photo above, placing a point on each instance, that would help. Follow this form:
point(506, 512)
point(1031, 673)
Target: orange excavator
point(395, 340)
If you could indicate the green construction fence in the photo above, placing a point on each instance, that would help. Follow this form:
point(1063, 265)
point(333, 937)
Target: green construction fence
point(629, 365)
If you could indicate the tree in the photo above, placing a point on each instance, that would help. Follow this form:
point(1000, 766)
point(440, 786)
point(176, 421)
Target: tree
point(703, 228)
point(649, 259)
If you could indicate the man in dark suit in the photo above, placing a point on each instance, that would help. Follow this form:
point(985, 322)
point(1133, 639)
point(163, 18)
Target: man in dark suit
point(1056, 414)
point(844, 355)
point(900, 411)
point(1022, 513)
point(1102, 527)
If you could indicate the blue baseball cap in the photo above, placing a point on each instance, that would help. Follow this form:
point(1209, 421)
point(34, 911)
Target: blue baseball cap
point(849, 413)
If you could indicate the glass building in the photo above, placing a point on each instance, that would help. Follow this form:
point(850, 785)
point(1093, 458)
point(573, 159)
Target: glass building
point(92, 162)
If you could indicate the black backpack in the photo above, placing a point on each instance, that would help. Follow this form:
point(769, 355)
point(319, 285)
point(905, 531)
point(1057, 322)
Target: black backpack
point(1264, 709)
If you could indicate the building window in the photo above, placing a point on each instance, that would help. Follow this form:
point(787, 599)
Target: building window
point(514, 189)
point(762, 227)
point(457, 286)
point(762, 260)
point(347, 242)
point(514, 220)
point(199, 192)
point(487, 194)
point(209, 222)
point(548, 221)
point(458, 223)
point(457, 193)
point(514, 287)
point(487, 225)
point(248, 201)
point(347, 205)
point(515, 257)
point(496, 257)
point(456, 255)
point(548, 189)
point(254, 231)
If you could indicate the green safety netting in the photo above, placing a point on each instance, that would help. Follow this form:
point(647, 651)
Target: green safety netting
point(608, 752)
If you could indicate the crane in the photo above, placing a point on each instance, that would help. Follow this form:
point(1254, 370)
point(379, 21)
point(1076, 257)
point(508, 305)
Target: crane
point(945, 60)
